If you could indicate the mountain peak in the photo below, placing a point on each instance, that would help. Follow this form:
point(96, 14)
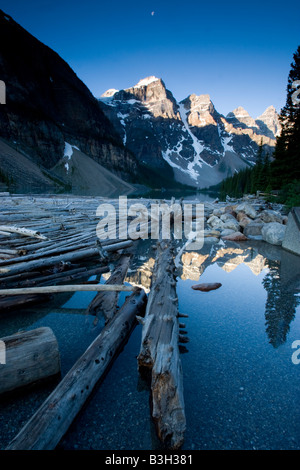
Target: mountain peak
point(199, 102)
point(240, 117)
point(239, 112)
point(109, 93)
point(268, 112)
point(269, 122)
point(146, 81)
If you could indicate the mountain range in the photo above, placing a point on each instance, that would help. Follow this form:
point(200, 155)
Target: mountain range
point(54, 134)
point(201, 145)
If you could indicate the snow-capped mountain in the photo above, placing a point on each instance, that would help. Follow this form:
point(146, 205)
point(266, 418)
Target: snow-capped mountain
point(201, 145)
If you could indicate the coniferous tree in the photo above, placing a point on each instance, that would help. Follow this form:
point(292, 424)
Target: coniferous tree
point(286, 165)
point(265, 181)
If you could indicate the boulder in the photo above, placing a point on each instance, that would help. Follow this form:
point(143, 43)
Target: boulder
point(291, 240)
point(230, 210)
point(211, 240)
point(245, 220)
point(236, 237)
point(274, 233)
point(227, 216)
point(206, 287)
point(227, 231)
point(268, 216)
point(212, 233)
point(232, 225)
point(285, 219)
point(247, 208)
point(230, 222)
point(215, 222)
point(240, 215)
point(219, 211)
point(254, 229)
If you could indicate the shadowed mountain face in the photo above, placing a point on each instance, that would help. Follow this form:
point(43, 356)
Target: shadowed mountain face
point(201, 145)
point(134, 132)
point(47, 105)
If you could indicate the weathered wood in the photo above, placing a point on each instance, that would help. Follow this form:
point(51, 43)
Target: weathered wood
point(12, 302)
point(31, 356)
point(12, 252)
point(119, 246)
point(45, 254)
point(105, 303)
point(52, 420)
point(6, 257)
point(46, 262)
point(67, 288)
point(73, 275)
point(159, 352)
point(22, 231)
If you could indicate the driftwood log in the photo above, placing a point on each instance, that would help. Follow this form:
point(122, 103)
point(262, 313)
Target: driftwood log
point(52, 420)
point(68, 288)
point(30, 356)
point(159, 352)
point(22, 231)
point(105, 303)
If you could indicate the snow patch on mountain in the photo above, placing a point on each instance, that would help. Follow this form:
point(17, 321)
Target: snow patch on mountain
point(68, 152)
point(146, 81)
point(198, 147)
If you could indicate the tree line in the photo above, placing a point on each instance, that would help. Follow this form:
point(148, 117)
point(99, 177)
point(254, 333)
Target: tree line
point(277, 174)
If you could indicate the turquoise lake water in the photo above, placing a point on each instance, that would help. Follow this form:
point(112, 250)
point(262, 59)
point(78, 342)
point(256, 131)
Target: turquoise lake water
point(241, 387)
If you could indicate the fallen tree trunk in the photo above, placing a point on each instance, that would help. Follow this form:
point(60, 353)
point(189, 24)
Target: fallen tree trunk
point(30, 356)
point(46, 262)
point(69, 276)
point(45, 254)
point(52, 420)
point(21, 300)
point(68, 288)
point(22, 231)
point(159, 352)
point(118, 246)
point(105, 303)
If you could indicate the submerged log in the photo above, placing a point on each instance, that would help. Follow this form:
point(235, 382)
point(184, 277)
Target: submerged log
point(105, 303)
point(52, 420)
point(11, 302)
point(159, 352)
point(30, 356)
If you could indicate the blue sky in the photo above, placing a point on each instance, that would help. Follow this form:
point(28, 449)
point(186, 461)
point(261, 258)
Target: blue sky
point(238, 52)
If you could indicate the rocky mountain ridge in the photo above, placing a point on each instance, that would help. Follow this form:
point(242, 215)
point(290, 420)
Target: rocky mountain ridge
point(201, 145)
point(47, 106)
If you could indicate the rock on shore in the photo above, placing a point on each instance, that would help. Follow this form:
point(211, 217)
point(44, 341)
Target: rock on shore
point(248, 218)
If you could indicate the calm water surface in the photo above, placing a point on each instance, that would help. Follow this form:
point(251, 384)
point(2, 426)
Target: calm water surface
point(241, 388)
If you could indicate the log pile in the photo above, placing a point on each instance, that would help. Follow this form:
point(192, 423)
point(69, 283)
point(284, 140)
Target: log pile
point(45, 241)
point(46, 244)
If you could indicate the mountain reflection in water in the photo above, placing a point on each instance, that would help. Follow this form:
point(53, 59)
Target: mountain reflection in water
point(281, 280)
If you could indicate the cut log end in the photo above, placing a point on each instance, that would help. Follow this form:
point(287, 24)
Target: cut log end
point(31, 357)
